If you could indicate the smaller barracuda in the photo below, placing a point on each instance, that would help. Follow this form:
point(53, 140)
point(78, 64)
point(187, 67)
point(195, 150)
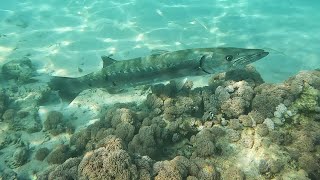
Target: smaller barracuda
point(157, 68)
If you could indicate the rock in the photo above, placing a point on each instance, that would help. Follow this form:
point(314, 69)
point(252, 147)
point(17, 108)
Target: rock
point(21, 70)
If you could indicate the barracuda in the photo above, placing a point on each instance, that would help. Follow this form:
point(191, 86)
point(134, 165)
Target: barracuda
point(157, 68)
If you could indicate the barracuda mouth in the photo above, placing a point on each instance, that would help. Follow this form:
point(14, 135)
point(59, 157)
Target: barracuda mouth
point(250, 58)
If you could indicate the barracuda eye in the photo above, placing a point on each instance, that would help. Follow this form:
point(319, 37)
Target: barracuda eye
point(229, 57)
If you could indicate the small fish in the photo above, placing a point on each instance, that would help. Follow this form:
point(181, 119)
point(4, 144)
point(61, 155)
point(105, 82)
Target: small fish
point(157, 68)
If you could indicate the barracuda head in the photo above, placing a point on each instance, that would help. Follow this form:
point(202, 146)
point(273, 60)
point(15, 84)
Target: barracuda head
point(217, 60)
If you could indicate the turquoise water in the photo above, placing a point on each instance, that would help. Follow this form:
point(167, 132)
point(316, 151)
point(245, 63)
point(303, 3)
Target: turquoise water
point(75, 33)
point(235, 125)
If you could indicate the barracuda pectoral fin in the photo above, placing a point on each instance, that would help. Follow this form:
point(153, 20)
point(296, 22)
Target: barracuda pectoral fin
point(180, 83)
point(68, 88)
point(142, 88)
point(107, 60)
point(203, 66)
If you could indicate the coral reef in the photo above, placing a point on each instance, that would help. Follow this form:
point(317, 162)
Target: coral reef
point(262, 129)
point(8, 174)
point(268, 97)
point(8, 138)
point(22, 105)
point(42, 153)
point(109, 162)
point(54, 123)
point(3, 103)
point(8, 116)
point(80, 139)
point(59, 154)
point(19, 156)
point(237, 127)
point(177, 168)
point(67, 170)
point(233, 173)
point(148, 141)
point(203, 144)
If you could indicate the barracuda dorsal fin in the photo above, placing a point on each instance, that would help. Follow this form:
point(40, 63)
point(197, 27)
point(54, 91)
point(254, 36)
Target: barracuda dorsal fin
point(107, 60)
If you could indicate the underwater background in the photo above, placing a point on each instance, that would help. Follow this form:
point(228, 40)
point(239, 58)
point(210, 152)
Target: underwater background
point(61, 36)
point(262, 122)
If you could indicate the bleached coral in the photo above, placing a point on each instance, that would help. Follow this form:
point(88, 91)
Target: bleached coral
point(281, 109)
point(269, 123)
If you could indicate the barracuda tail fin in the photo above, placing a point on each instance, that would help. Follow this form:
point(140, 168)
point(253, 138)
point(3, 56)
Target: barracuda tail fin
point(68, 88)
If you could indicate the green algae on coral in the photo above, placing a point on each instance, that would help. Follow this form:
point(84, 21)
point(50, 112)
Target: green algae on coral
point(308, 100)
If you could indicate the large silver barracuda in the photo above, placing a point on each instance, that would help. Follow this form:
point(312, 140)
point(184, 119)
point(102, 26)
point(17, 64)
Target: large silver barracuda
point(157, 68)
